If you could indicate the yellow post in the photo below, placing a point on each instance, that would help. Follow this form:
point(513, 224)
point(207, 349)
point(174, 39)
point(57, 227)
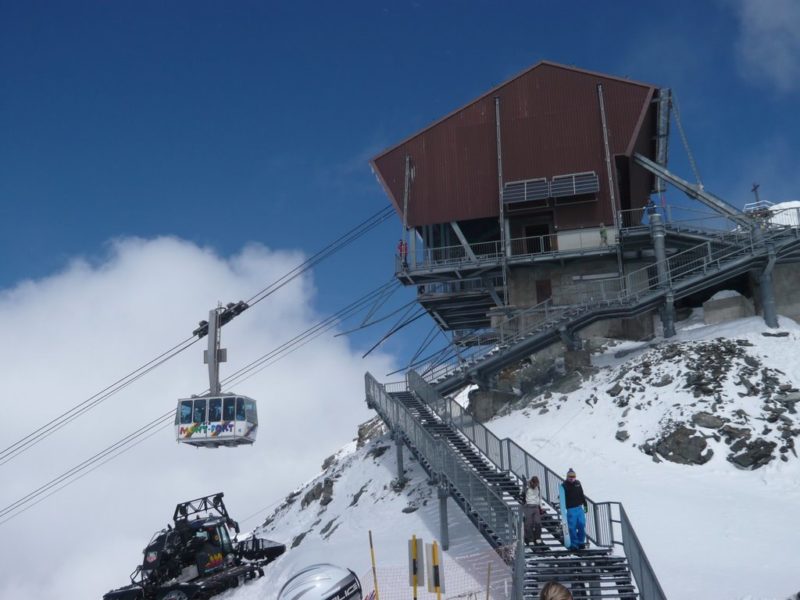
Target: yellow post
point(488, 578)
point(374, 571)
point(435, 559)
point(414, 564)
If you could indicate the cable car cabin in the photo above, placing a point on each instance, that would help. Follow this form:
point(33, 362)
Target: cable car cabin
point(213, 421)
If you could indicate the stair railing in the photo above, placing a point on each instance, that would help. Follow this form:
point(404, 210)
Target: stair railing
point(514, 459)
point(445, 464)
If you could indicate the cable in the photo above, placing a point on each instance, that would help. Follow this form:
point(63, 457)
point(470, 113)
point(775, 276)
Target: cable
point(33, 438)
point(352, 235)
point(38, 435)
point(136, 437)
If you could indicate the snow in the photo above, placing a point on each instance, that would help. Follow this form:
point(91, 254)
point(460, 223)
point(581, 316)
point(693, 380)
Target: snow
point(710, 531)
point(786, 213)
point(358, 473)
point(722, 294)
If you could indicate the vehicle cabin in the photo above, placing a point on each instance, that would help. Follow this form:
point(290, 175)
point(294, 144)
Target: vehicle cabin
point(213, 421)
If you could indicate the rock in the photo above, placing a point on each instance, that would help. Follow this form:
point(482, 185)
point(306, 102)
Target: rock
point(369, 430)
point(755, 455)
point(684, 446)
point(622, 435)
point(776, 334)
point(410, 509)
point(328, 462)
point(664, 381)
point(296, 541)
point(377, 451)
point(615, 390)
point(751, 361)
point(731, 433)
point(322, 491)
point(707, 420)
point(568, 383)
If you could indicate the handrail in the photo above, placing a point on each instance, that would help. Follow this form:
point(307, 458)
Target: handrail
point(508, 456)
point(634, 287)
point(445, 464)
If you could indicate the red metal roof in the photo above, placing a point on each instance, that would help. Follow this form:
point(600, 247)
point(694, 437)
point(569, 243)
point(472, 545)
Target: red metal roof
point(550, 125)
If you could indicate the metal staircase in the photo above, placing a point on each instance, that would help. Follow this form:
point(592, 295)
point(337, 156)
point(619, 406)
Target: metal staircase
point(484, 476)
point(723, 256)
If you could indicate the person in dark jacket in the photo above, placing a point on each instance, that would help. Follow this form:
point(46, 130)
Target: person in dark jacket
point(576, 510)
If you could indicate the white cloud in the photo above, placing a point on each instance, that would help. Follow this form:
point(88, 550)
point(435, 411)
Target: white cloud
point(71, 334)
point(769, 43)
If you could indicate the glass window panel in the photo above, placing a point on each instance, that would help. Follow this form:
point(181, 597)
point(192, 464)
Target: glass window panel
point(199, 415)
point(215, 409)
point(186, 412)
point(229, 409)
point(251, 411)
point(240, 409)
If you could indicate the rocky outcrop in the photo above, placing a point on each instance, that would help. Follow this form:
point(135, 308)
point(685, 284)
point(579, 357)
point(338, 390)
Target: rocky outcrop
point(684, 446)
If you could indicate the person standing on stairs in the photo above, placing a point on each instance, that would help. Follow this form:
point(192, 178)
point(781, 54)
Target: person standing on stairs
point(532, 511)
point(576, 510)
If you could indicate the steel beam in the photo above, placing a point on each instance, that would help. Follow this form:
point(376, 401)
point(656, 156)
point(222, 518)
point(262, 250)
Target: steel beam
point(694, 191)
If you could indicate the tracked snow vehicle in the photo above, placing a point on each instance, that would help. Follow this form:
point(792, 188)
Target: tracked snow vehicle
point(197, 557)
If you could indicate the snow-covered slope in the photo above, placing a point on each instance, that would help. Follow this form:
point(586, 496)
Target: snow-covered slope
point(711, 530)
point(329, 519)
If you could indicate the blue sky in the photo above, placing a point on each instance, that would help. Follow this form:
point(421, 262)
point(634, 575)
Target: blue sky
point(229, 122)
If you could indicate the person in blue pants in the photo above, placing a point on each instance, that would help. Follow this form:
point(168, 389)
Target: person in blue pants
point(576, 511)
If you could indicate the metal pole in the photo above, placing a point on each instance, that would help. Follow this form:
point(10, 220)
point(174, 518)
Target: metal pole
point(213, 355)
point(615, 208)
point(444, 531)
point(401, 473)
point(612, 196)
point(503, 241)
point(768, 291)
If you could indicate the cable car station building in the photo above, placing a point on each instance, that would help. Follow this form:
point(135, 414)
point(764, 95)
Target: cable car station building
point(536, 197)
point(514, 199)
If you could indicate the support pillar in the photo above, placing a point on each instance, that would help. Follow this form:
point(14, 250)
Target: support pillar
point(768, 292)
point(570, 339)
point(658, 235)
point(668, 316)
point(401, 473)
point(444, 534)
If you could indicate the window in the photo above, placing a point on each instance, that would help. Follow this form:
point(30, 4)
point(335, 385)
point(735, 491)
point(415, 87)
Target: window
point(199, 415)
point(185, 412)
point(226, 539)
point(240, 409)
point(250, 411)
point(215, 409)
point(229, 409)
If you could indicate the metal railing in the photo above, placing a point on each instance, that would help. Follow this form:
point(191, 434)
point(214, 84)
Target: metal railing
point(507, 455)
point(445, 464)
point(679, 270)
point(577, 240)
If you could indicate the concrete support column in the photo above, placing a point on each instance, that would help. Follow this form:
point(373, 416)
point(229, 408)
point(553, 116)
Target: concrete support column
point(668, 316)
point(658, 233)
point(443, 493)
point(570, 339)
point(768, 292)
point(398, 441)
